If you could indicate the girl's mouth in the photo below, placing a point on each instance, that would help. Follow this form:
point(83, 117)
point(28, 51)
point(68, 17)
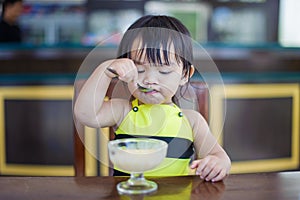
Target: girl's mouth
point(145, 90)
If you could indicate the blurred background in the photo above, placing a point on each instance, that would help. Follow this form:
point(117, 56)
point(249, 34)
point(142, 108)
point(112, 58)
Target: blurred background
point(87, 22)
point(254, 43)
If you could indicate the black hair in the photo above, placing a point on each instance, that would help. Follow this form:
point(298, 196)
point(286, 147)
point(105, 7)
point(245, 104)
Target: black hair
point(8, 2)
point(158, 33)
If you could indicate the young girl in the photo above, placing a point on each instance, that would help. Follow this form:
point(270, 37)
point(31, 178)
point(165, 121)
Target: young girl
point(154, 61)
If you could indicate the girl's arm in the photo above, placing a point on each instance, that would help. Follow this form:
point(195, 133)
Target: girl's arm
point(90, 108)
point(212, 162)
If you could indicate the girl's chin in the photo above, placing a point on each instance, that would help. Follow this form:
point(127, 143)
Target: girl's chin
point(150, 100)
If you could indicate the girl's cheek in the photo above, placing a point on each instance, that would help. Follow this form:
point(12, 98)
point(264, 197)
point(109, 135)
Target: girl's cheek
point(132, 87)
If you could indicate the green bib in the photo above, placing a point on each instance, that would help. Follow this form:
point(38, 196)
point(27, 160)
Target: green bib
point(164, 122)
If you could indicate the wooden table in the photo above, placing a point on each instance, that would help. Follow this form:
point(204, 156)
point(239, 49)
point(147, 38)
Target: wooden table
point(248, 186)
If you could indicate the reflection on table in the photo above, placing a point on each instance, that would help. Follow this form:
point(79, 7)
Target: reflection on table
point(283, 185)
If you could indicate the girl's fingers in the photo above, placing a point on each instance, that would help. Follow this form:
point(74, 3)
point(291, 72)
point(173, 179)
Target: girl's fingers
point(200, 167)
point(208, 171)
point(123, 68)
point(220, 176)
point(214, 172)
point(194, 164)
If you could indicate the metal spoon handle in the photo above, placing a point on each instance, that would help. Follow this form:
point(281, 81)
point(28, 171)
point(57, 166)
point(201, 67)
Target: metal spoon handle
point(113, 71)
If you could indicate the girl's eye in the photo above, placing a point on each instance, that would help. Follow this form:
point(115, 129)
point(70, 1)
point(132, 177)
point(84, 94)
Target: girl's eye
point(140, 68)
point(165, 72)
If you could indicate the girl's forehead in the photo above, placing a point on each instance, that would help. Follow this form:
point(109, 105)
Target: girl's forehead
point(139, 47)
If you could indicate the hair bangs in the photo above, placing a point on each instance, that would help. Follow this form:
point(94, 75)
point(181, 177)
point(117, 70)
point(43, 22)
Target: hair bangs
point(153, 44)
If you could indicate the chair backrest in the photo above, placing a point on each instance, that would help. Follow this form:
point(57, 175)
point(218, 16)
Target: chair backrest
point(200, 90)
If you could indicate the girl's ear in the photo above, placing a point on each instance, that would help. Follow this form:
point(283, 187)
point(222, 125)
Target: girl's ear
point(192, 70)
point(185, 79)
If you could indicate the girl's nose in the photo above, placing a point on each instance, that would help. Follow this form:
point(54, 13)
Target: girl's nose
point(150, 78)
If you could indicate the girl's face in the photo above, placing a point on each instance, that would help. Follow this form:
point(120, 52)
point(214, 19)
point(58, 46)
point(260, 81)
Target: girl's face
point(161, 80)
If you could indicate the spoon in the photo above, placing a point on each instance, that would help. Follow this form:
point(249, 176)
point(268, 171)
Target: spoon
point(144, 89)
point(141, 88)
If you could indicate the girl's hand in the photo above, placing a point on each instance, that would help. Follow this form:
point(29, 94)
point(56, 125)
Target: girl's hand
point(123, 68)
point(210, 168)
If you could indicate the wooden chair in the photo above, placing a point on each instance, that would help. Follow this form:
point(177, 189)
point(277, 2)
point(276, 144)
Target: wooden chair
point(200, 90)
